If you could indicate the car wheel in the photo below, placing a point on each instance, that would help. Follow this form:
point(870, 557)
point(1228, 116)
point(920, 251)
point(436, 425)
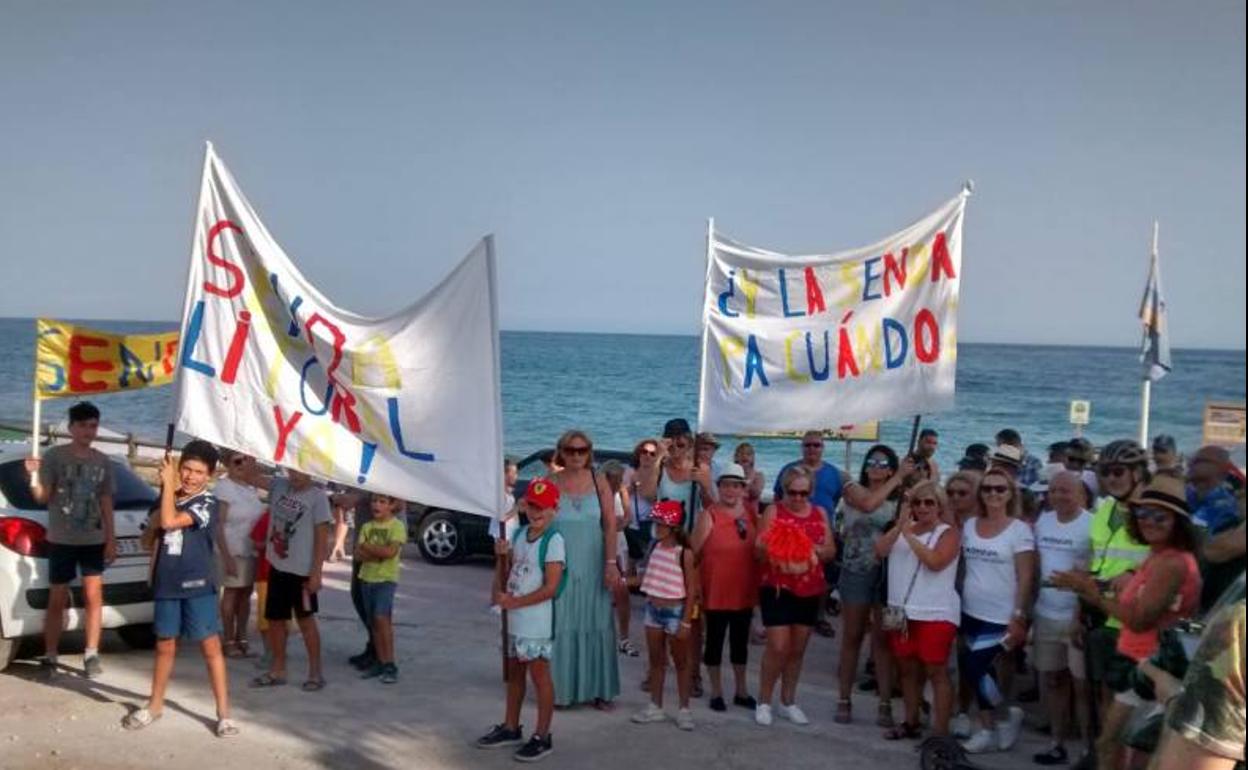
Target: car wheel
point(440, 539)
point(140, 637)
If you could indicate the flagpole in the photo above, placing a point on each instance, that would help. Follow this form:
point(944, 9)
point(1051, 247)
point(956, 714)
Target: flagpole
point(1146, 388)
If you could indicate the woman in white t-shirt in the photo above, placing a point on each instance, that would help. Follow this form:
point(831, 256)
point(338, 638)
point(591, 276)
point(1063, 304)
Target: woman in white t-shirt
point(922, 552)
point(998, 551)
point(240, 507)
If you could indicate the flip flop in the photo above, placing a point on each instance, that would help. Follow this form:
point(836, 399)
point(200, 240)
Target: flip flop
point(314, 685)
point(904, 731)
point(268, 680)
point(226, 728)
point(139, 718)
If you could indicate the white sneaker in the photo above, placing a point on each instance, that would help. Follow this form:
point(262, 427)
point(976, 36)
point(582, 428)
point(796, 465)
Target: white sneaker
point(982, 741)
point(794, 714)
point(961, 726)
point(651, 713)
point(1008, 731)
point(684, 719)
point(762, 715)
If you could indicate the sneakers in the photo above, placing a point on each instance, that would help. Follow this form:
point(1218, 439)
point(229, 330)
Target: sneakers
point(983, 740)
point(364, 660)
point(745, 701)
point(501, 736)
point(651, 713)
point(684, 719)
point(91, 667)
point(961, 726)
point(717, 704)
point(626, 647)
point(762, 715)
point(47, 667)
point(373, 671)
point(1008, 732)
point(389, 673)
point(794, 714)
point(535, 750)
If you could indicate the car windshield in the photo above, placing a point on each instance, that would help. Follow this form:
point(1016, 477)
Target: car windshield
point(130, 492)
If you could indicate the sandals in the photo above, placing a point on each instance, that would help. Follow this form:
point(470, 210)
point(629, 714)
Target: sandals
point(824, 628)
point(844, 712)
point(226, 728)
point(139, 718)
point(268, 680)
point(884, 716)
point(314, 685)
point(904, 731)
point(626, 647)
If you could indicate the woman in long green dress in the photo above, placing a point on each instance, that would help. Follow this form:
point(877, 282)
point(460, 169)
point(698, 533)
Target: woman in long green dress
point(584, 661)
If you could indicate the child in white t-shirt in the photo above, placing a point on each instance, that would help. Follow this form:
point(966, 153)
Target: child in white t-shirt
point(534, 580)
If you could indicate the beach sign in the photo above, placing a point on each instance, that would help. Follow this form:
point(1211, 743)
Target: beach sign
point(1224, 423)
point(73, 360)
point(407, 404)
point(1080, 412)
point(798, 342)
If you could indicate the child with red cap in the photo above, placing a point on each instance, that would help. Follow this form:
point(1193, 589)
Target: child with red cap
point(670, 586)
point(537, 576)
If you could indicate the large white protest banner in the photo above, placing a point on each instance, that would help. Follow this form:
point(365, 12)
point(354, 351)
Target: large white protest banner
point(794, 343)
point(406, 405)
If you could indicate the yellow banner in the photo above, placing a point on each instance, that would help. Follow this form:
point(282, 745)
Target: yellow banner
point(75, 360)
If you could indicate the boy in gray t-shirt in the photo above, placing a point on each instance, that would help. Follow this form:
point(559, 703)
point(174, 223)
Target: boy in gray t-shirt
point(76, 483)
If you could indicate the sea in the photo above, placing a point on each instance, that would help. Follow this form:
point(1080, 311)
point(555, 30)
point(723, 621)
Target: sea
point(620, 388)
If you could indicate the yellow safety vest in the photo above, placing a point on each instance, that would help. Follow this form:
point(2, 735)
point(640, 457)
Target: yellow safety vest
point(1113, 550)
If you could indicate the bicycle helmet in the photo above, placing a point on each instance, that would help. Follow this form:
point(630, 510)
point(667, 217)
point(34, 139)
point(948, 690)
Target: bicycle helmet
point(1123, 452)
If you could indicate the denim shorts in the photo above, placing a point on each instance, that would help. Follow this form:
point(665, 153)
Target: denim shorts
point(193, 619)
point(666, 618)
point(378, 599)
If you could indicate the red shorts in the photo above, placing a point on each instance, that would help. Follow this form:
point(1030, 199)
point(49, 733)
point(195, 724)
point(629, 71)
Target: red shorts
point(928, 640)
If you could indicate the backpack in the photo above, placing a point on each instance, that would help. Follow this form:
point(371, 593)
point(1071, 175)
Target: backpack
point(542, 544)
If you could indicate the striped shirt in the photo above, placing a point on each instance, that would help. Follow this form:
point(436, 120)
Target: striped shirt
point(665, 576)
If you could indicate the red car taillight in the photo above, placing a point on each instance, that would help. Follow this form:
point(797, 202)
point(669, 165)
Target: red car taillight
point(25, 537)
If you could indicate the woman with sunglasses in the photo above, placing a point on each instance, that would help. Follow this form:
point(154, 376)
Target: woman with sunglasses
point(586, 669)
point(960, 492)
point(240, 507)
point(1164, 590)
point(922, 552)
point(789, 602)
point(723, 541)
point(999, 553)
point(861, 583)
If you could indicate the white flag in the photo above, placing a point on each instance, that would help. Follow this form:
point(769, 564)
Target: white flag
point(794, 343)
point(407, 405)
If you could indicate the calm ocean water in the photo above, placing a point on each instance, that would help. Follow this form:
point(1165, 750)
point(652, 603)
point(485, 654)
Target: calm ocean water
point(621, 388)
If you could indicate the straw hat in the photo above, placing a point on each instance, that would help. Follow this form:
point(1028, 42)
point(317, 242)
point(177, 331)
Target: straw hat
point(1165, 492)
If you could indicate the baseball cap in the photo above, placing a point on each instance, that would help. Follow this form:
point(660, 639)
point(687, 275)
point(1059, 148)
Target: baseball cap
point(542, 493)
point(676, 427)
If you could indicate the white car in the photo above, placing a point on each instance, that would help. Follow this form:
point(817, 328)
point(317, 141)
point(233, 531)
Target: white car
point(24, 564)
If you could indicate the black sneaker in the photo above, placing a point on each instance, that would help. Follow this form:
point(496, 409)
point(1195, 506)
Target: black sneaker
point(500, 736)
point(364, 660)
point(389, 673)
point(91, 667)
point(373, 671)
point(745, 701)
point(717, 704)
point(535, 750)
point(47, 668)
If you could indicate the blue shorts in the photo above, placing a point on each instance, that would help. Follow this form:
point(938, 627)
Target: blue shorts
point(193, 619)
point(666, 618)
point(378, 600)
point(66, 562)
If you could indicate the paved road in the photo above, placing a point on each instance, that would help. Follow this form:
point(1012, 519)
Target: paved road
point(449, 693)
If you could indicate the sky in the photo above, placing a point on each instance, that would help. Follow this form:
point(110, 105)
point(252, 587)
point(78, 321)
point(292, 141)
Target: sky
point(380, 141)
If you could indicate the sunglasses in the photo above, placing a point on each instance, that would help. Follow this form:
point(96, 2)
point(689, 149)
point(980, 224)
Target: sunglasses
point(878, 464)
point(797, 492)
point(1156, 515)
point(928, 502)
point(649, 452)
point(576, 450)
point(742, 532)
point(990, 489)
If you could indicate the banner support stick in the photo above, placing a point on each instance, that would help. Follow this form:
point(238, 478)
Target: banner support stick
point(1146, 394)
point(36, 412)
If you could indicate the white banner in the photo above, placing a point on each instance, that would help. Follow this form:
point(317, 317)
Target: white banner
point(407, 405)
point(793, 343)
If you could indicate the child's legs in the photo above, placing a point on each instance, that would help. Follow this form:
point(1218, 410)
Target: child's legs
point(166, 653)
point(539, 669)
point(656, 647)
point(312, 642)
point(684, 664)
point(383, 636)
point(93, 599)
point(215, 662)
point(515, 692)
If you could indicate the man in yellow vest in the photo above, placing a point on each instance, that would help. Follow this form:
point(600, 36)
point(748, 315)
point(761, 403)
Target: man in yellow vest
point(1122, 468)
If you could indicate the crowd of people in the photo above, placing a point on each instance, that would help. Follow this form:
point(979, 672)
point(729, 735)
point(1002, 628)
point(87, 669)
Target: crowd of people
point(1083, 581)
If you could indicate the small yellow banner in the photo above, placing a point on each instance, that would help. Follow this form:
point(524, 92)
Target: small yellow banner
point(75, 360)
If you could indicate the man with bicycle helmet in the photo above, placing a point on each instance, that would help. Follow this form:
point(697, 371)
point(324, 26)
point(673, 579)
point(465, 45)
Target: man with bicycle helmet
point(1122, 470)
